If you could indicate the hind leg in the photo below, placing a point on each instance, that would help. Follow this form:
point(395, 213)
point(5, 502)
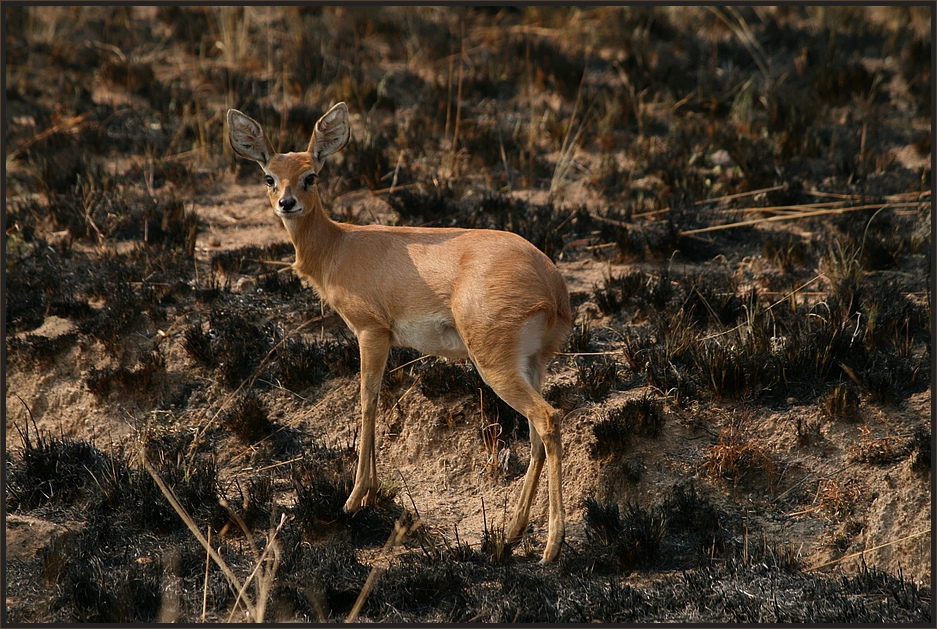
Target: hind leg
point(514, 386)
point(537, 457)
point(529, 490)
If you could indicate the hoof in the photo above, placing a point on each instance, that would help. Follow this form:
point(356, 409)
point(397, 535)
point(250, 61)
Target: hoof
point(516, 533)
point(549, 557)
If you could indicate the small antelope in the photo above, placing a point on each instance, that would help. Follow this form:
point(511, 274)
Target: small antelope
point(487, 295)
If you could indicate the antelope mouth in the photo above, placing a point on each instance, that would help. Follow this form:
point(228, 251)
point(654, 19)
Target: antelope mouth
point(296, 211)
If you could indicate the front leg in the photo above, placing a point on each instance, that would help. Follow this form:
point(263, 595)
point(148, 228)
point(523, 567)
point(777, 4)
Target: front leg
point(374, 346)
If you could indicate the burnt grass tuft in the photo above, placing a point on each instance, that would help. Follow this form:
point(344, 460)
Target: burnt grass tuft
point(919, 447)
point(322, 482)
point(74, 476)
point(136, 380)
point(708, 339)
point(641, 417)
point(249, 260)
point(597, 378)
point(240, 351)
point(685, 529)
point(248, 419)
point(233, 347)
point(132, 532)
point(447, 591)
point(112, 165)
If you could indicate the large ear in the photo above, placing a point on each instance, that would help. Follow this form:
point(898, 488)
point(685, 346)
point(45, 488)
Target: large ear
point(331, 132)
point(248, 138)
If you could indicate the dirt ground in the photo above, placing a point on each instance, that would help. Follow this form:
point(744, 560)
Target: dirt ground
point(620, 140)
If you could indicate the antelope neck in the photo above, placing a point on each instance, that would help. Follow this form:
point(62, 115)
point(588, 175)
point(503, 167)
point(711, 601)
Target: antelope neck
point(314, 236)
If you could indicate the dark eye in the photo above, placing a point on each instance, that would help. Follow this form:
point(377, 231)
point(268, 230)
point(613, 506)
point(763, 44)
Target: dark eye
point(309, 180)
point(269, 180)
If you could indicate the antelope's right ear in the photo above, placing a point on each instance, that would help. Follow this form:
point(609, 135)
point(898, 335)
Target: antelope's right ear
point(248, 138)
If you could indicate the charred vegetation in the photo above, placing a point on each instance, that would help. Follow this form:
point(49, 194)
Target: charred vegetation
point(741, 195)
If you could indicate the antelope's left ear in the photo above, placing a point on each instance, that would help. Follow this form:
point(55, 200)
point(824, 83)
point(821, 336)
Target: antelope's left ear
point(331, 133)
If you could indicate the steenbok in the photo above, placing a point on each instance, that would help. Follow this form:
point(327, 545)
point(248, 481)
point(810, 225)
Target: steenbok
point(487, 295)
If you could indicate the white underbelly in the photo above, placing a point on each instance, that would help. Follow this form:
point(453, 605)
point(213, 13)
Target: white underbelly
point(433, 334)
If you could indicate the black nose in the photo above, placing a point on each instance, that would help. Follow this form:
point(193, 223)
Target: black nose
point(286, 204)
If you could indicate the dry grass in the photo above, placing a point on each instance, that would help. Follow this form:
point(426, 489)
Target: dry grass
point(838, 498)
point(738, 456)
point(875, 450)
point(841, 403)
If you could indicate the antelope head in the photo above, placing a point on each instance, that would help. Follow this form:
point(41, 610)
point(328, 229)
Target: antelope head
point(291, 178)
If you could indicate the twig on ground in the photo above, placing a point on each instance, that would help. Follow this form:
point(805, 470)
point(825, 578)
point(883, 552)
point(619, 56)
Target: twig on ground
point(233, 581)
point(789, 217)
point(396, 538)
point(868, 550)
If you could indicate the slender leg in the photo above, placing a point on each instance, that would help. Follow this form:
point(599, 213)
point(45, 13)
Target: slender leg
point(374, 347)
point(554, 454)
point(544, 420)
point(529, 490)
